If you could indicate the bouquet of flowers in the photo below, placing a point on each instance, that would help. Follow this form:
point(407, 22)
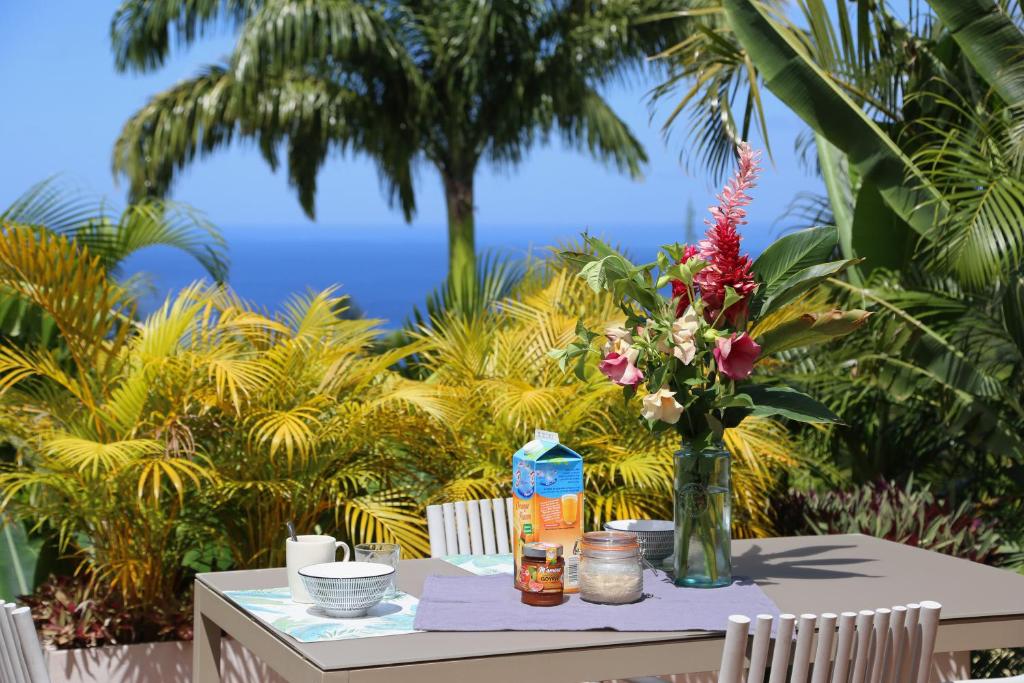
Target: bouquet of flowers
point(696, 323)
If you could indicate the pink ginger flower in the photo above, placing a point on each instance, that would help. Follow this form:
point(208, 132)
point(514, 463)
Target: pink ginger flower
point(721, 245)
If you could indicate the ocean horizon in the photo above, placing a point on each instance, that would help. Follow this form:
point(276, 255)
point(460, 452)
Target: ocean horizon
point(386, 271)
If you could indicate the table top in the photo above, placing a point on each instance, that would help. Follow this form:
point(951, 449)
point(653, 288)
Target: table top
point(807, 574)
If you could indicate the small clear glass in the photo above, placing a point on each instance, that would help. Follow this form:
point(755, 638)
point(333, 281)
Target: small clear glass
point(382, 553)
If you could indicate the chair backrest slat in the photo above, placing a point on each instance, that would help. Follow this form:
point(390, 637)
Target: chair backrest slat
point(871, 646)
point(470, 527)
point(462, 527)
point(735, 647)
point(476, 541)
point(913, 645)
point(487, 525)
point(880, 637)
point(823, 653)
point(862, 645)
point(844, 646)
point(13, 665)
point(451, 537)
point(502, 531)
point(31, 651)
point(802, 653)
point(759, 650)
point(929, 622)
point(783, 644)
point(435, 529)
point(897, 622)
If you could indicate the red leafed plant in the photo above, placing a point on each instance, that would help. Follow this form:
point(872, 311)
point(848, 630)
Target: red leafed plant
point(70, 612)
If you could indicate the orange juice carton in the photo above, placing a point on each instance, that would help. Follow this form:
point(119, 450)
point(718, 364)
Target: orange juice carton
point(547, 503)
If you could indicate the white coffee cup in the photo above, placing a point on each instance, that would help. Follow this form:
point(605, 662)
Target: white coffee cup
point(309, 549)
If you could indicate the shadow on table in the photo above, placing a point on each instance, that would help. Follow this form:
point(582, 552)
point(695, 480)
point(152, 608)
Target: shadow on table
point(797, 563)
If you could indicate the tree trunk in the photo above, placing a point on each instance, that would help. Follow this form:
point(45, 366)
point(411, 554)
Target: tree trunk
point(458, 193)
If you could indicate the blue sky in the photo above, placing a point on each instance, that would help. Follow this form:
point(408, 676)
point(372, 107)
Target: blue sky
point(64, 105)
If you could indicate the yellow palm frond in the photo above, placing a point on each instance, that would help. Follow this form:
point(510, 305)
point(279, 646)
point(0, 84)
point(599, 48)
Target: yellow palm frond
point(388, 518)
point(96, 458)
point(89, 308)
point(290, 430)
point(153, 471)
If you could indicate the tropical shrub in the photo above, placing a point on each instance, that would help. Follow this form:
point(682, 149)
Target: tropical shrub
point(912, 514)
point(72, 612)
point(207, 425)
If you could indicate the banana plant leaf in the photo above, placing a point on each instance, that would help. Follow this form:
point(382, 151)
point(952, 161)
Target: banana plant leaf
point(879, 235)
point(805, 88)
point(18, 557)
point(811, 328)
point(992, 43)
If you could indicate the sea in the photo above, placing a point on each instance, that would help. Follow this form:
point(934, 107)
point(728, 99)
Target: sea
point(386, 271)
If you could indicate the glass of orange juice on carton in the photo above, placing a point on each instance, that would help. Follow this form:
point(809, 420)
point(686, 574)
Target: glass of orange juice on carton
point(547, 500)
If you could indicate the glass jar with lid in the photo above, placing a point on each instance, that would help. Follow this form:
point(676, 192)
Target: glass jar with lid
point(611, 570)
point(543, 572)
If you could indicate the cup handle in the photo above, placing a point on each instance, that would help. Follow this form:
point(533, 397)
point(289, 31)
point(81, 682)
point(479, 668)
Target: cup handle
point(342, 544)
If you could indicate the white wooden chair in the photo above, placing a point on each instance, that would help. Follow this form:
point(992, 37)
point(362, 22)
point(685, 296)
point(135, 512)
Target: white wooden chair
point(21, 657)
point(871, 646)
point(471, 527)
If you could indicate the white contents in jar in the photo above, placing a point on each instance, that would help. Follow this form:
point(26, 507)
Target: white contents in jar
point(613, 582)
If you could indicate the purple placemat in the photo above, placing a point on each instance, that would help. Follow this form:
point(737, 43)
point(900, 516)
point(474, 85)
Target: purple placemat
point(491, 603)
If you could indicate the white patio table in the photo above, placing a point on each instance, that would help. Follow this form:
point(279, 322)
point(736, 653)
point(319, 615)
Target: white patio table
point(982, 608)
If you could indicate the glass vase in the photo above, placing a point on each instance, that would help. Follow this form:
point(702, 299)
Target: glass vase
point(703, 537)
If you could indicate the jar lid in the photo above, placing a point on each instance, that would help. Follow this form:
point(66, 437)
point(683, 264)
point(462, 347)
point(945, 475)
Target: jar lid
point(539, 550)
point(610, 540)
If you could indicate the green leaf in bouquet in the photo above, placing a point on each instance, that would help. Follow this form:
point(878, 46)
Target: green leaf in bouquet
point(561, 355)
point(787, 256)
point(581, 367)
point(735, 401)
point(576, 259)
point(731, 297)
point(673, 252)
point(585, 334)
point(811, 328)
point(797, 284)
point(787, 403)
point(628, 392)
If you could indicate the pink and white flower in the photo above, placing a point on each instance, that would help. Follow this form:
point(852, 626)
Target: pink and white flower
point(662, 405)
point(735, 355)
point(684, 336)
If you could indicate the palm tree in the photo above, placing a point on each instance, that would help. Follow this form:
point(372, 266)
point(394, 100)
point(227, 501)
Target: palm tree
point(453, 84)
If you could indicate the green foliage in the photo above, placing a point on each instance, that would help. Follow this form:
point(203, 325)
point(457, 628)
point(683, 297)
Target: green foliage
point(911, 119)
point(910, 514)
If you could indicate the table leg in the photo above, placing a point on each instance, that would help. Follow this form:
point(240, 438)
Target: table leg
point(206, 636)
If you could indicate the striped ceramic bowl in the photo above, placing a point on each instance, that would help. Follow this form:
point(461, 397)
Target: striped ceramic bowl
point(655, 536)
point(346, 589)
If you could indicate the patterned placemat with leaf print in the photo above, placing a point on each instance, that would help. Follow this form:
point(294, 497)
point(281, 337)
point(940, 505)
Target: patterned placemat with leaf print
point(483, 565)
point(307, 624)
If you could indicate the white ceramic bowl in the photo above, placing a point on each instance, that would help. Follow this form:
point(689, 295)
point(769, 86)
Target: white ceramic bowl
point(655, 536)
point(346, 589)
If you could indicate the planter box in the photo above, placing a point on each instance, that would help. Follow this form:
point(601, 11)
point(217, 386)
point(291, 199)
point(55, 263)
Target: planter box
point(149, 662)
